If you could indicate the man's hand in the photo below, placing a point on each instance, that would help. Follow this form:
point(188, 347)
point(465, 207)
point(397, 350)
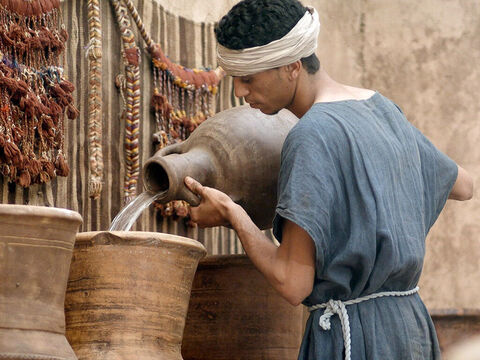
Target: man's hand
point(215, 206)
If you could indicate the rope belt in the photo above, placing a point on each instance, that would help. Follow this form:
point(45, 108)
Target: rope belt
point(338, 307)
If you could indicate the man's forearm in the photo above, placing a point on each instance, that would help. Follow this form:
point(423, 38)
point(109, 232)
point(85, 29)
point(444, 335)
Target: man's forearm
point(263, 253)
point(260, 249)
point(290, 267)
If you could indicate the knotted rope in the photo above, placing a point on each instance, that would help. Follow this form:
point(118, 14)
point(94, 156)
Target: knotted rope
point(338, 307)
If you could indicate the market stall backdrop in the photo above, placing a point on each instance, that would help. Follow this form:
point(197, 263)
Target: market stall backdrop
point(421, 55)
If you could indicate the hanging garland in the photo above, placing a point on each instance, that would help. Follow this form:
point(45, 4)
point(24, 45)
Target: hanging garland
point(182, 98)
point(34, 94)
point(94, 54)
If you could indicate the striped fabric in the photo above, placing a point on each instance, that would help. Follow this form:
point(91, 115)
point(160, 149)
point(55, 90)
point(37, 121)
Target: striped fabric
point(190, 44)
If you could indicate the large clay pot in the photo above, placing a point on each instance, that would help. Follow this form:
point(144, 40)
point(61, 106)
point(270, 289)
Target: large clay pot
point(36, 246)
point(235, 314)
point(236, 151)
point(128, 293)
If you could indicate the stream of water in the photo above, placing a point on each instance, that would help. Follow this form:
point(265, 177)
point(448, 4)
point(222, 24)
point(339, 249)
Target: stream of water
point(130, 213)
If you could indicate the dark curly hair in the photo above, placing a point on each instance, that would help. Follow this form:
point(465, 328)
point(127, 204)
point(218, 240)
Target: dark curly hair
point(257, 22)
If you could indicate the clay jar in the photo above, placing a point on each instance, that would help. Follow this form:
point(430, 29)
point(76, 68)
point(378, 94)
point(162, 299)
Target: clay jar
point(234, 314)
point(36, 246)
point(237, 151)
point(128, 293)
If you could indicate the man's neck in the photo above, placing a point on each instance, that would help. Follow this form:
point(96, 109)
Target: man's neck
point(309, 87)
point(320, 87)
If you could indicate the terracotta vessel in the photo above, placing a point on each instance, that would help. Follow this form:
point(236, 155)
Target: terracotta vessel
point(234, 314)
point(236, 151)
point(128, 293)
point(36, 246)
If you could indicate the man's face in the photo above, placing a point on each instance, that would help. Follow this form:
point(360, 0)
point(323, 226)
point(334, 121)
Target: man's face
point(269, 91)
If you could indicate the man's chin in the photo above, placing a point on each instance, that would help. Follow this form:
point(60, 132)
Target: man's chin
point(266, 111)
point(271, 112)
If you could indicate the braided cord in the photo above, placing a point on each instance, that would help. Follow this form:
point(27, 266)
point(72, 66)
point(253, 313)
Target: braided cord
point(368, 297)
point(133, 93)
point(138, 21)
point(94, 53)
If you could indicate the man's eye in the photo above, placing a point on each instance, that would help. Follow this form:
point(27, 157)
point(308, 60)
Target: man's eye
point(246, 80)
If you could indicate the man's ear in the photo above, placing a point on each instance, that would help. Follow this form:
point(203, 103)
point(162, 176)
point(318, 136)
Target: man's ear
point(293, 69)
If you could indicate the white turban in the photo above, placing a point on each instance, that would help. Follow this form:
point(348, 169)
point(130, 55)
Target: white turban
point(300, 42)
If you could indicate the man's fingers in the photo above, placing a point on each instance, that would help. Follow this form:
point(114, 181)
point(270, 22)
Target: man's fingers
point(193, 214)
point(194, 185)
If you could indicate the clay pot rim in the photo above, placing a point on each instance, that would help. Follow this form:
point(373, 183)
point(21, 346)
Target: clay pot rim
point(222, 260)
point(40, 211)
point(32, 345)
point(137, 238)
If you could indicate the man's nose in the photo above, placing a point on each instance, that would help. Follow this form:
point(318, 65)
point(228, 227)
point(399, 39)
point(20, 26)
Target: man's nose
point(241, 90)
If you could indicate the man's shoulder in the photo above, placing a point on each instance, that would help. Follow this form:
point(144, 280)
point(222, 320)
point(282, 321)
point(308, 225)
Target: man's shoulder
point(317, 130)
point(318, 121)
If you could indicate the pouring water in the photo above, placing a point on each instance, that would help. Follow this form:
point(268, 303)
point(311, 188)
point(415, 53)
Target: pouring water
point(130, 213)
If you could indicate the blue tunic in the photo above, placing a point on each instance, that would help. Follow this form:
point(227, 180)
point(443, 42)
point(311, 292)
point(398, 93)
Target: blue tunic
point(367, 186)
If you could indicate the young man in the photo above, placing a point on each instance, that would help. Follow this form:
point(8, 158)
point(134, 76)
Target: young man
point(358, 190)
